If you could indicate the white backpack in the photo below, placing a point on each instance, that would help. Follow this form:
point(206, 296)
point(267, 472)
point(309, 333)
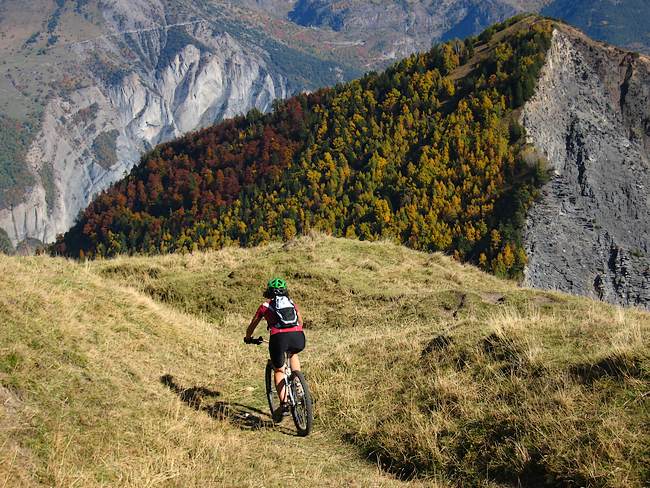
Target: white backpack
point(285, 311)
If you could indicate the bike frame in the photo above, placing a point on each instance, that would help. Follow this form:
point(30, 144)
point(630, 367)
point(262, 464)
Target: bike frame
point(286, 369)
point(296, 393)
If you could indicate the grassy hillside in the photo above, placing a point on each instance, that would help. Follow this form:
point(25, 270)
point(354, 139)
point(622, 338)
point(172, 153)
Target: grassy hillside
point(132, 372)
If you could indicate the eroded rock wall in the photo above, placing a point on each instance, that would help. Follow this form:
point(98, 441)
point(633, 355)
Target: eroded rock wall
point(589, 233)
point(95, 135)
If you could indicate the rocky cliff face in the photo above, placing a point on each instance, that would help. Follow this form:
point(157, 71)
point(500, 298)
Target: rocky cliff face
point(400, 28)
point(186, 77)
point(590, 232)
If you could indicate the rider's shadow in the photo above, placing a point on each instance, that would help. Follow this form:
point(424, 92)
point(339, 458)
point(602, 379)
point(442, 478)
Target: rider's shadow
point(202, 399)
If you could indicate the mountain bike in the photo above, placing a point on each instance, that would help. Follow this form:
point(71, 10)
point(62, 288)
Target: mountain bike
point(298, 396)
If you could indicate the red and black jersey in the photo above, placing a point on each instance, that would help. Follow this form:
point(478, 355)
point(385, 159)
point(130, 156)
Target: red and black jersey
point(271, 319)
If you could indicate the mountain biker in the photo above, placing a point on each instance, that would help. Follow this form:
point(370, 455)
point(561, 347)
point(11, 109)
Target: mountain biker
point(286, 335)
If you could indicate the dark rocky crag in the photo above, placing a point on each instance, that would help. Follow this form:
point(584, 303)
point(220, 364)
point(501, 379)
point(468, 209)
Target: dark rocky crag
point(590, 232)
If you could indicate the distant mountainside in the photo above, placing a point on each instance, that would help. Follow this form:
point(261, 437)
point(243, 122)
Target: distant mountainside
point(624, 23)
point(395, 28)
point(87, 86)
point(430, 152)
point(402, 27)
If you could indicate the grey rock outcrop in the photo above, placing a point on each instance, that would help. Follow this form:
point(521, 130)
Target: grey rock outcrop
point(589, 233)
point(187, 77)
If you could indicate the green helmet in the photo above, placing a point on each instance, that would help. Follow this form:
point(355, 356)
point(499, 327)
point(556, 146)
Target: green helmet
point(276, 287)
point(276, 284)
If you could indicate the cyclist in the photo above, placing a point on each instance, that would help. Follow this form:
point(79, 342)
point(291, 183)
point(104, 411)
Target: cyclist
point(284, 322)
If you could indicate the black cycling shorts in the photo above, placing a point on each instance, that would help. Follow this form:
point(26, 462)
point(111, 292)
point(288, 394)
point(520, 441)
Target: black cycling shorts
point(283, 342)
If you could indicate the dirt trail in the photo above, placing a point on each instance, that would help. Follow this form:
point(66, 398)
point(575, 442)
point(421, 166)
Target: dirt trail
point(280, 456)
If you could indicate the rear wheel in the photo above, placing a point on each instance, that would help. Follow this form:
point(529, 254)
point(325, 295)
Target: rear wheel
point(302, 410)
point(271, 394)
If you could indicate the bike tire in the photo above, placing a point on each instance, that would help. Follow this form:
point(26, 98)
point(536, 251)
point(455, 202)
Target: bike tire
point(271, 394)
point(302, 411)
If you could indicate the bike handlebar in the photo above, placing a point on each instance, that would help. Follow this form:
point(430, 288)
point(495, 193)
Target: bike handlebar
point(251, 340)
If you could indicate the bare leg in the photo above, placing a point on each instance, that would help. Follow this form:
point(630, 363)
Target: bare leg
point(294, 362)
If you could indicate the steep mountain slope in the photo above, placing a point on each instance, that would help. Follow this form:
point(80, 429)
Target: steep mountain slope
point(395, 28)
point(58, 148)
point(87, 87)
point(428, 152)
point(419, 152)
point(132, 372)
point(590, 232)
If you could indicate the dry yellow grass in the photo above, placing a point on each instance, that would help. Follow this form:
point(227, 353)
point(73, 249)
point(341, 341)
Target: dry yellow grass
point(423, 369)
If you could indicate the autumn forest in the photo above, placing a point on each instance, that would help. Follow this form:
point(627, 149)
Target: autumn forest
point(428, 152)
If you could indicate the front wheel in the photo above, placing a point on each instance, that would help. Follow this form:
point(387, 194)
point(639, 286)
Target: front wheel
point(271, 395)
point(302, 409)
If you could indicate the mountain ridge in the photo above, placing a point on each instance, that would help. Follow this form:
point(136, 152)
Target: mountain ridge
point(301, 167)
point(326, 163)
point(42, 198)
